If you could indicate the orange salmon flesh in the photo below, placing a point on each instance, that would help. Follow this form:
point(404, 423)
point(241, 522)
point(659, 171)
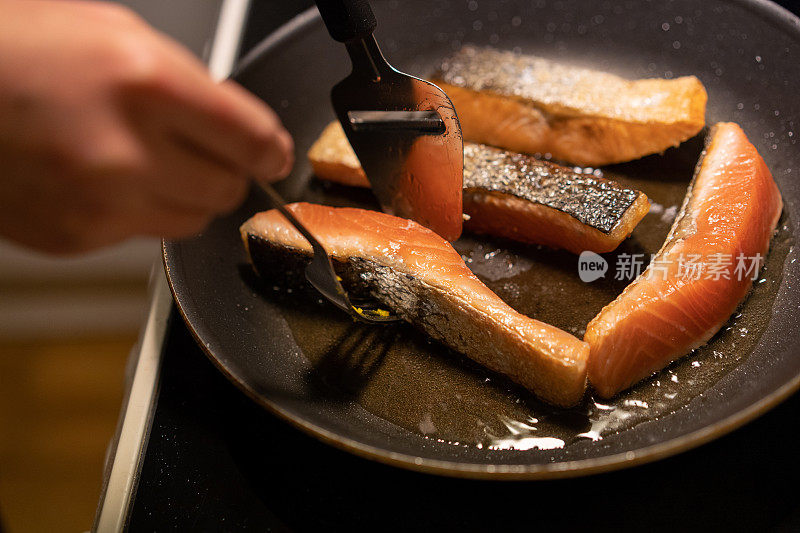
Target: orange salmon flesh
point(727, 220)
point(494, 212)
point(533, 105)
point(416, 273)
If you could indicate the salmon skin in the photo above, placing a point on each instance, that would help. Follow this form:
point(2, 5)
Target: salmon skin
point(703, 271)
point(533, 105)
point(418, 275)
point(516, 196)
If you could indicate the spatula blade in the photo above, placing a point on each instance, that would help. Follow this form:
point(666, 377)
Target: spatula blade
point(415, 173)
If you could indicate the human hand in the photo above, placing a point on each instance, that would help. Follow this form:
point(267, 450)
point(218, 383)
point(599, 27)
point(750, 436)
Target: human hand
point(108, 129)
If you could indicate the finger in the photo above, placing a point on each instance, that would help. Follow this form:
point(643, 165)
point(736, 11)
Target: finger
point(265, 155)
point(269, 146)
point(223, 119)
point(150, 215)
point(185, 177)
point(172, 222)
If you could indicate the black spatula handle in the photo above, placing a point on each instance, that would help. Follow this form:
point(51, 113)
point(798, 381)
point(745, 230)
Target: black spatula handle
point(347, 20)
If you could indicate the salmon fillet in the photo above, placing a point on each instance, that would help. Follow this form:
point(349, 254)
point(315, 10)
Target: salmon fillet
point(516, 196)
point(419, 275)
point(533, 105)
point(675, 306)
point(333, 159)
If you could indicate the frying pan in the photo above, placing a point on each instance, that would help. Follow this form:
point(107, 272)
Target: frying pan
point(389, 393)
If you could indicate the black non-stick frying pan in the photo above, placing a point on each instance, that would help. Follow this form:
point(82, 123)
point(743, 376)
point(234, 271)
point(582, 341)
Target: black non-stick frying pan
point(391, 394)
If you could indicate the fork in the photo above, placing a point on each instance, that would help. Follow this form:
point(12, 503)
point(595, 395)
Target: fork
point(320, 273)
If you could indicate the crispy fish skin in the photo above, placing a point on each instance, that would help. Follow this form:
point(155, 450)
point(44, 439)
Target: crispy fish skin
point(516, 196)
point(533, 105)
point(731, 208)
point(519, 197)
point(417, 274)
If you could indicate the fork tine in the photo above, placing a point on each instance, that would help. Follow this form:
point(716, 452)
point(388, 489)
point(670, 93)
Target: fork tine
point(320, 272)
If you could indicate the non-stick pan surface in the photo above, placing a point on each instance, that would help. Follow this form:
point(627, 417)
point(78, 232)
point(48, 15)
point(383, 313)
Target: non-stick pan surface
point(389, 393)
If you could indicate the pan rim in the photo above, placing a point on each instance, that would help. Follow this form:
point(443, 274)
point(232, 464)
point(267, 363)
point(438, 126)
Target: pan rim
point(771, 12)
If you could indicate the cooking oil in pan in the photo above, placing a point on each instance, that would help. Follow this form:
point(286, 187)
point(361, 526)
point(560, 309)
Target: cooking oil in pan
point(400, 375)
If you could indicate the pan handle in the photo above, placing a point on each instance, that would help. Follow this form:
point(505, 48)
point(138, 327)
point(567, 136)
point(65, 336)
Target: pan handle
point(347, 20)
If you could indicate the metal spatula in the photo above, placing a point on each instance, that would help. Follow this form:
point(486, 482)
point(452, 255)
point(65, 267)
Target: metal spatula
point(404, 130)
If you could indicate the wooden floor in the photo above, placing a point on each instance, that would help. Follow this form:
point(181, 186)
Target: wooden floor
point(59, 402)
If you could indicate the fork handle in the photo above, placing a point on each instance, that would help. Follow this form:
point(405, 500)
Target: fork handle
point(347, 20)
point(279, 204)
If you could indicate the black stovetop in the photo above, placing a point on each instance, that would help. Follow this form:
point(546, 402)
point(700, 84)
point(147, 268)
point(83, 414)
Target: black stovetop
point(216, 461)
